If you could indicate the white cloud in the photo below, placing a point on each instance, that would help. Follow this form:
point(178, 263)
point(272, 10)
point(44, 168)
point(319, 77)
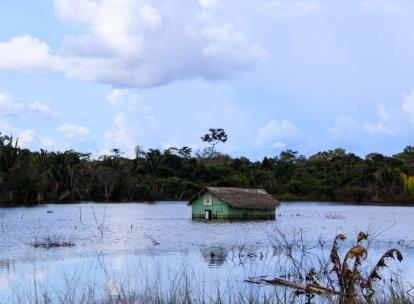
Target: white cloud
point(26, 53)
point(408, 106)
point(9, 105)
point(7, 129)
point(278, 145)
point(345, 128)
point(382, 5)
point(134, 125)
point(137, 43)
point(384, 126)
point(207, 4)
point(42, 109)
point(48, 143)
point(120, 136)
point(150, 16)
point(224, 44)
point(291, 9)
point(274, 131)
point(26, 137)
point(72, 131)
point(54, 145)
point(123, 98)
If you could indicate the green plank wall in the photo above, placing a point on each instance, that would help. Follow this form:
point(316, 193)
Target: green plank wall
point(220, 210)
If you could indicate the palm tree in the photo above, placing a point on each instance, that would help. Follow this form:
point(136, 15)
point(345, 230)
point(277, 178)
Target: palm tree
point(10, 159)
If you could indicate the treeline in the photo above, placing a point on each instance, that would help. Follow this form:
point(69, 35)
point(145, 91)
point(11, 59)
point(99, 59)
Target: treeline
point(35, 177)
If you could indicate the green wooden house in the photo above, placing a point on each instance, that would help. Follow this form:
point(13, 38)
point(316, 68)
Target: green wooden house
point(233, 203)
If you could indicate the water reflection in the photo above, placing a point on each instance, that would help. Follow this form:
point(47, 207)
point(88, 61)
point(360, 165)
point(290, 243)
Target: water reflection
point(163, 235)
point(214, 256)
point(7, 265)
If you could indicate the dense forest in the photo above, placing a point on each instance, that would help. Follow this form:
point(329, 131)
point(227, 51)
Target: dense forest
point(28, 178)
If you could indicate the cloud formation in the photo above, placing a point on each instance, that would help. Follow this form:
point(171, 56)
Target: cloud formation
point(73, 131)
point(382, 5)
point(274, 131)
point(345, 128)
point(123, 98)
point(208, 4)
point(130, 123)
point(136, 43)
point(408, 106)
point(384, 126)
point(42, 109)
point(26, 137)
point(291, 9)
point(164, 43)
point(26, 53)
point(10, 106)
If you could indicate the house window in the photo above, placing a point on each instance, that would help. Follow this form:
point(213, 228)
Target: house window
point(208, 200)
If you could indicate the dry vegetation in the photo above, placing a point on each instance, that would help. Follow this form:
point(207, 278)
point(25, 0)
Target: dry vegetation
point(49, 242)
point(308, 272)
point(341, 280)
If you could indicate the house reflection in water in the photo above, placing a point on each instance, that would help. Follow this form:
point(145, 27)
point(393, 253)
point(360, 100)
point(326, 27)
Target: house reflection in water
point(214, 256)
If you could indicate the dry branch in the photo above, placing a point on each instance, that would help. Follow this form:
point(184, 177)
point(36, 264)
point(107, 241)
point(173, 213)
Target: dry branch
point(309, 288)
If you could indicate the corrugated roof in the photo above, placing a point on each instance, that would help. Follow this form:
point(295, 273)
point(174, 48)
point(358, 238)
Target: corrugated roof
point(241, 198)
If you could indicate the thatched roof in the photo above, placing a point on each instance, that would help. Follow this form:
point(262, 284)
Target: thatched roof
point(241, 198)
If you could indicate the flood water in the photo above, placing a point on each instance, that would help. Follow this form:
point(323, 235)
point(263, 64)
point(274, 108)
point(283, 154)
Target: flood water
point(152, 242)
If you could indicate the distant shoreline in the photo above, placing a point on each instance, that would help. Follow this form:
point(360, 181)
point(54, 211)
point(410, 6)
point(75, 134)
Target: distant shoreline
point(283, 202)
point(41, 177)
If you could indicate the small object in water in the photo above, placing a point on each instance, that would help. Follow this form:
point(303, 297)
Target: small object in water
point(400, 242)
point(49, 211)
point(212, 254)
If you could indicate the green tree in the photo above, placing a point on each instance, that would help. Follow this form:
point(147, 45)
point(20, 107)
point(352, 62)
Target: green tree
point(213, 138)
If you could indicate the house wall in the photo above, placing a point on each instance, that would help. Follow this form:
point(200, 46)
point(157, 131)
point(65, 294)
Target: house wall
point(220, 210)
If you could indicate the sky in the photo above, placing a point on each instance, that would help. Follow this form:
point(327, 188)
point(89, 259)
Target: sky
point(307, 75)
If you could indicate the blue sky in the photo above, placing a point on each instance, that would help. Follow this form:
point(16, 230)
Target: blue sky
point(307, 75)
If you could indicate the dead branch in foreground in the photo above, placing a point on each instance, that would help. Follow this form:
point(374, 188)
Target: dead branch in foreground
point(352, 282)
point(308, 288)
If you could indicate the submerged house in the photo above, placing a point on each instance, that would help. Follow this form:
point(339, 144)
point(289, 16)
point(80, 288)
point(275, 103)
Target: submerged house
point(233, 203)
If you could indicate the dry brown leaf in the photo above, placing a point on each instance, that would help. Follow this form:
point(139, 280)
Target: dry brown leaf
point(381, 263)
point(341, 237)
point(390, 254)
point(374, 276)
point(357, 251)
point(362, 236)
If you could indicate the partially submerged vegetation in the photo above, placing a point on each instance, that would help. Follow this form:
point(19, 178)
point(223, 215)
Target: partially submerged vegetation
point(177, 173)
point(346, 280)
point(49, 242)
point(183, 290)
point(305, 275)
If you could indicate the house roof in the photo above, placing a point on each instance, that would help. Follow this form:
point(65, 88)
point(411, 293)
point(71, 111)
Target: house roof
point(240, 197)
